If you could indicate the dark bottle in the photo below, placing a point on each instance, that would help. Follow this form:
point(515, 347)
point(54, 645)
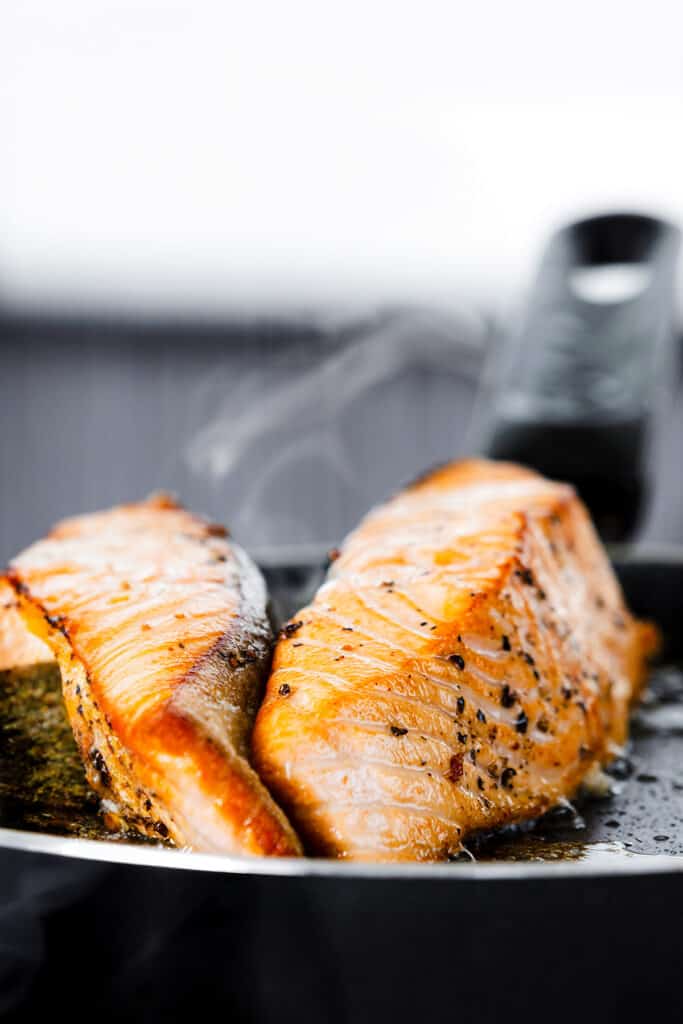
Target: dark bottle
point(576, 391)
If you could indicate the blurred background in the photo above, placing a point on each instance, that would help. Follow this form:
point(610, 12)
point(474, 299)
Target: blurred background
point(259, 253)
point(279, 258)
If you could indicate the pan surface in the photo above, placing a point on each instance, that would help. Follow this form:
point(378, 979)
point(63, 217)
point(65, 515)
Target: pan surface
point(46, 807)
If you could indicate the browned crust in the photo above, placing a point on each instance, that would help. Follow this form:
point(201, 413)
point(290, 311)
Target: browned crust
point(136, 788)
point(107, 763)
point(597, 721)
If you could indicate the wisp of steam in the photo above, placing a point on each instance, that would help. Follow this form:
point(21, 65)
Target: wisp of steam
point(304, 409)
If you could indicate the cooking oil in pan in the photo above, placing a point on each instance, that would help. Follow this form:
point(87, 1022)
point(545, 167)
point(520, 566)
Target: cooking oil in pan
point(43, 789)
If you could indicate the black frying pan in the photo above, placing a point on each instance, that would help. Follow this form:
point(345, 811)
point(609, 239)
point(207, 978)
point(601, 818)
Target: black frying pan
point(575, 919)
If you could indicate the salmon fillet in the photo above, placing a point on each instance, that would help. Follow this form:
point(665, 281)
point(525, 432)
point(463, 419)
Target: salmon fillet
point(159, 626)
point(18, 646)
point(467, 664)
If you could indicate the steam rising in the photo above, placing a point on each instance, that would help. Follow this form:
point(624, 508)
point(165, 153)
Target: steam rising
point(296, 411)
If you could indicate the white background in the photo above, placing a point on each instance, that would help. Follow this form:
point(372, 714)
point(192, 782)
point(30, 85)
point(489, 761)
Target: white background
point(220, 156)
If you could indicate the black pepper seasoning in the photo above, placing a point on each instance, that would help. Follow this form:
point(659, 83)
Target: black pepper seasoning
point(507, 696)
point(521, 722)
point(100, 766)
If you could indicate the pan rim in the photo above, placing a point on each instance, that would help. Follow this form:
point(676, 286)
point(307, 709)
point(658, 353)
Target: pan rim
point(604, 864)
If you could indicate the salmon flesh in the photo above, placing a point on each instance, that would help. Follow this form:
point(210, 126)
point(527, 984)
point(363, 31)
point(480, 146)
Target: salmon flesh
point(468, 663)
point(159, 626)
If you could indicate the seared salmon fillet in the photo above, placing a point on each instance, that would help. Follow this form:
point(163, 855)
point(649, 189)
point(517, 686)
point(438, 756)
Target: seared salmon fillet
point(467, 664)
point(159, 626)
point(18, 646)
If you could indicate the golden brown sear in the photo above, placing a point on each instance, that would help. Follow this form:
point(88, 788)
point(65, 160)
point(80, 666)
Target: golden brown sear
point(159, 626)
point(467, 664)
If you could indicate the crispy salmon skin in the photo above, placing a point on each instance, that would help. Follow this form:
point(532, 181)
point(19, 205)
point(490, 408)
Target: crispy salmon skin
point(159, 626)
point(467, 664)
